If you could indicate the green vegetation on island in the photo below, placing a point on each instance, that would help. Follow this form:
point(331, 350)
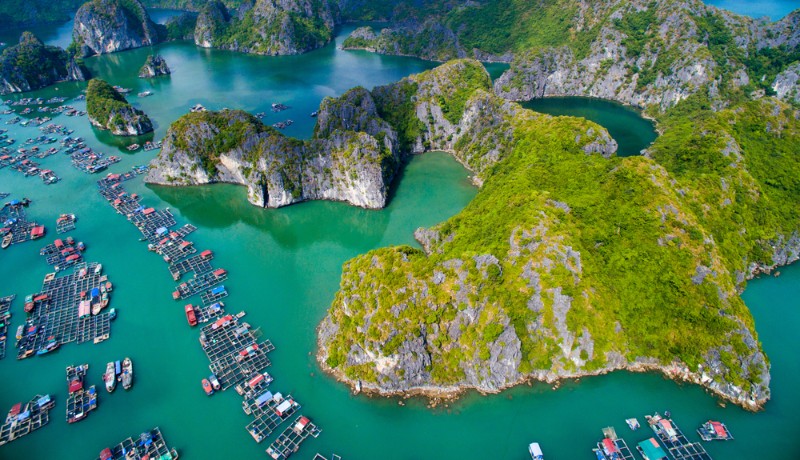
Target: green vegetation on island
point(568, 263)
point(30, 65)
point(108, 109)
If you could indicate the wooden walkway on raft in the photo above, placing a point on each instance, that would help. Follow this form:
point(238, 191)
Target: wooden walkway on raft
point(623, 451)
point(25, 419)
point(83, 400)
point(20, 227)
point(197, 283)
point(148, 445)
point(198, 264)
point(292, 437)
point(65, 223)
point(678, 446)
point(5, 319)
point(57, 315)
point(266, 417)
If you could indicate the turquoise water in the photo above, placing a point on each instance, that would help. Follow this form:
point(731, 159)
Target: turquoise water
point(773, 9)
point(632, 132)
point(284, 269)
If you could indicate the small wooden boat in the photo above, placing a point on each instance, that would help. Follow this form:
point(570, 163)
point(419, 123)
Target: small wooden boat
point(190, 316)
point(207, 387)
point(127, 373)
point(7, 240)
point(110, 377)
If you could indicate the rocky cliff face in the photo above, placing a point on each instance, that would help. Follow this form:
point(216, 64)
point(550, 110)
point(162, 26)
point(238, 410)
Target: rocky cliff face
point(338, 164)
point(639, 52)
point(31, 65)
point(427, 39)
point(271, 27)
point(649, 66)
point(154, 66)
point(107, 109)
point(787, 84)
point(107, 26)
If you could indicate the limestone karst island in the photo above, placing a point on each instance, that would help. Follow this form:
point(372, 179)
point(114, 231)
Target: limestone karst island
point(399, 229)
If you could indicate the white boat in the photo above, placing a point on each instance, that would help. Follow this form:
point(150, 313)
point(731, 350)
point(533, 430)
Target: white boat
point(535, 451)
point(127, 373)
point(110, 377)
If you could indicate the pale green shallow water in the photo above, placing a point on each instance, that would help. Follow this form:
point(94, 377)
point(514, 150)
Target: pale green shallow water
point(285, 267)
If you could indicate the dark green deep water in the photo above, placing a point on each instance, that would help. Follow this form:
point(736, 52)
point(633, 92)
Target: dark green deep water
point(284, 271)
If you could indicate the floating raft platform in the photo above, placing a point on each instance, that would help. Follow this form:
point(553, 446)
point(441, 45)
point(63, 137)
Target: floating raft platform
point(676, 443)
point(22, 420)
point(58, 314)
point(21, 229)
point(226, 335)
point(5, 318)
point(65, 223)
point(62, 254)
point(709, 431)
point(213, 295)
point(234, 367)
point(269, 411)
point(198, 264)
point(148, 445)
point(81, 400)
point(612, 447)
point(292, 437)
point(204, 314)
point(319, 456)
point(200, 282)
point(174, 251)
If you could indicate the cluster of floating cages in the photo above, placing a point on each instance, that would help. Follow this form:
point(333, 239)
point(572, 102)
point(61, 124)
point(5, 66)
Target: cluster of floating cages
point(57, 314)
point(62, 254)
point(668, 442)
point(65, 223)
point(14, 225)
point(91, 162)
point(148, 445)
point(5, 317)
point(288, 442)
point(81, 399)
point(237, 355)
point(22, 420)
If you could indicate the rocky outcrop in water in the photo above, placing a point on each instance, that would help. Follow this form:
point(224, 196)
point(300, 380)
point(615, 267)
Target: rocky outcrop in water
point(107, 26)
point(351, 160)
point(270, 27)
point(109, 110)
point(154, 66)
point(31, 65)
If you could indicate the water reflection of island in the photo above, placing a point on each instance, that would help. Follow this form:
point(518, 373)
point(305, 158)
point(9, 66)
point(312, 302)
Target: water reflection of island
point(299, 225)
point(435, 181)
